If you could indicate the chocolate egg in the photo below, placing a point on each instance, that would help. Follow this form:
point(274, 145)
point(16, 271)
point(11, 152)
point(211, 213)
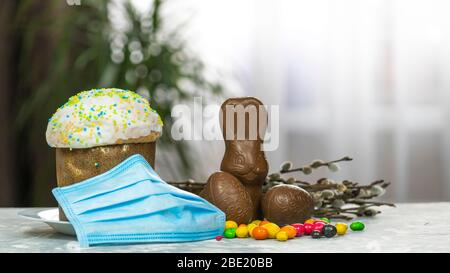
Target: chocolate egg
point(287, 204)
point(228, 194)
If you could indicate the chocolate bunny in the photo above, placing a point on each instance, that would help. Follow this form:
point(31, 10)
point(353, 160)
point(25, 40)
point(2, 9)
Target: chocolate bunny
point(237, 189)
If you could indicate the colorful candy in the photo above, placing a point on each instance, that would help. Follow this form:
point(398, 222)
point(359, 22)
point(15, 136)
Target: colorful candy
point(341, 228)
point(329, 231)
point(282, 236)
point(230, 233)
point(308, 228)
point(290, 230)
point(250, 228)
point(261, 230)
point(230, 224)
point(260, 233)
point(273, 229)
point(242, 231)
point(318, 226)
point(299, 228)
point(315, 234)
point(357, 226)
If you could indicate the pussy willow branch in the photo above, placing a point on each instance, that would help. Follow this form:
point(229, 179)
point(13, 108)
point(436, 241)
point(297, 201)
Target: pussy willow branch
point(322, 164)
point(346, 192)
point(321, 187)
point(373, 203)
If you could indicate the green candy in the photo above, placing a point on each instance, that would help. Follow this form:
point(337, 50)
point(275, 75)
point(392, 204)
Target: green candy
point(329, 231)
point(326, 220)
point(230, 233)
point(315, 234)
point(357, 226)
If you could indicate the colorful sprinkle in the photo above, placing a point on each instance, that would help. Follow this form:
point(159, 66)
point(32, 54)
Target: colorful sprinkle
point(101, 117)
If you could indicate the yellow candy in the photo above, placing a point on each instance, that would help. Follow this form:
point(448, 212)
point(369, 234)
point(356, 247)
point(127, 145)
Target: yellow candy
point(250, 228)
point(273, 229)
point(242, 232)
point(282, 236)
point(341, 228)
point(230, 224)
point(256, 222)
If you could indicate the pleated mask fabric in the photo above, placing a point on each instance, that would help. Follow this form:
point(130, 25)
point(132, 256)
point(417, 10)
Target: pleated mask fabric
point(131, 204)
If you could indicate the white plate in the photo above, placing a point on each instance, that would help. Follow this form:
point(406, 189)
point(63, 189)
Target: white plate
point(50, 217)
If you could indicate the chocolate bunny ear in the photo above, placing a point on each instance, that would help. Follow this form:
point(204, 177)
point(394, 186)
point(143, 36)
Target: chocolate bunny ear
point(243, 119)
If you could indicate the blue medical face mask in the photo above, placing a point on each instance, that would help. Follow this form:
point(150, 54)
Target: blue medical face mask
point(131, 204)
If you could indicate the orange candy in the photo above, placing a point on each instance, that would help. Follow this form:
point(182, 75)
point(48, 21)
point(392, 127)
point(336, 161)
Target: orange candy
point(290, 230)
point(260, 233)
point(310, 221)
point(262, 223)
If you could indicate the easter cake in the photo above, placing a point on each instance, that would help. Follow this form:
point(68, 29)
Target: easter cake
point(97, 129)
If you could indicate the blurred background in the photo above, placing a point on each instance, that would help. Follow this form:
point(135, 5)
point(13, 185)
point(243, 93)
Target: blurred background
point(364, 78)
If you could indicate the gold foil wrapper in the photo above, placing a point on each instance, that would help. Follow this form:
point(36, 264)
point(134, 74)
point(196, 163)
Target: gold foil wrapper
point(76, 165)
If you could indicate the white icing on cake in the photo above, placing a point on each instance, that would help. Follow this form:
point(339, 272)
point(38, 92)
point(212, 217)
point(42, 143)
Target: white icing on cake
point(102, 117)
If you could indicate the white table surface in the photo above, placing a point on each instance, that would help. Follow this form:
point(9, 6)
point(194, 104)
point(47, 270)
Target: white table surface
point(415, 227)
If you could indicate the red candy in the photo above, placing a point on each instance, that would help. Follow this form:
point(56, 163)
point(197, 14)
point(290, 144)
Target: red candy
point(318, 226)
point(300, 229)
point(218, 238)
point(308, 228)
